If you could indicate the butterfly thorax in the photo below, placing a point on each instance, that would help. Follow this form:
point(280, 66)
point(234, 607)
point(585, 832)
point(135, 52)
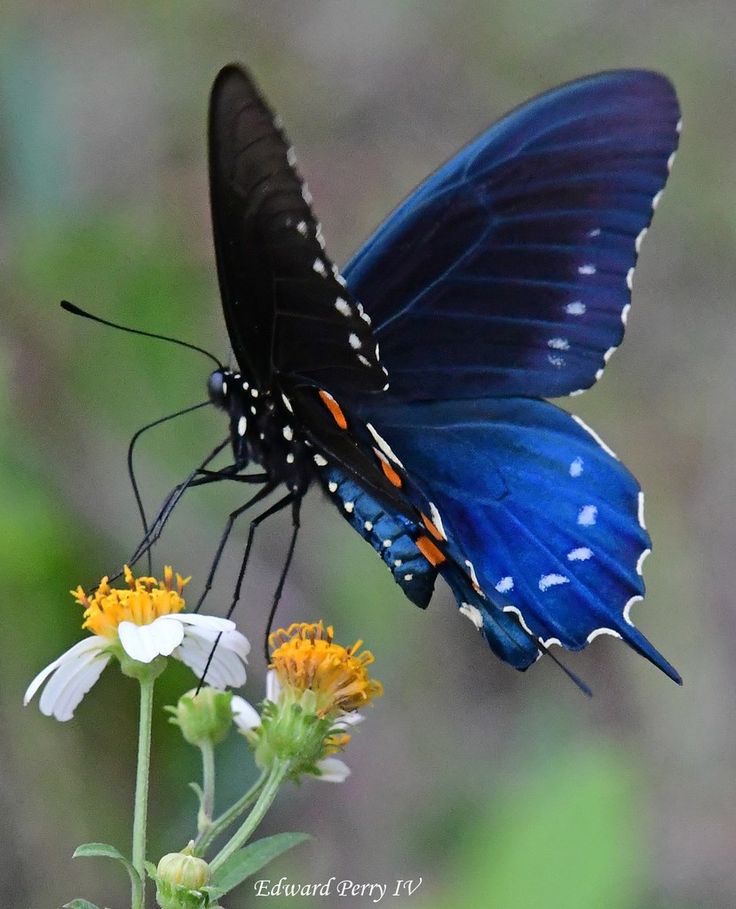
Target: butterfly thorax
point(262, 430)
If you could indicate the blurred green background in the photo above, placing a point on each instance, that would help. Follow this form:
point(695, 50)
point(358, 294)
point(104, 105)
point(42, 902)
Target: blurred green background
point(497, 789)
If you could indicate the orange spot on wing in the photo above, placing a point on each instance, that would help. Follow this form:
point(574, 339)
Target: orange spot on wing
point(431, 527)
point(430, 551)
point(391, 475)
point(334, 408)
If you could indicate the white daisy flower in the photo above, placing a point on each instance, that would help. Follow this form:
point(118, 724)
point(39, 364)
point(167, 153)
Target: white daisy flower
point(143, 622)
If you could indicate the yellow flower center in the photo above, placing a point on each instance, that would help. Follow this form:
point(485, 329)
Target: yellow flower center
point(145, 600)
point(306, 658)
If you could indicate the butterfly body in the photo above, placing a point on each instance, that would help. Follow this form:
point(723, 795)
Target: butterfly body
point(410, 386)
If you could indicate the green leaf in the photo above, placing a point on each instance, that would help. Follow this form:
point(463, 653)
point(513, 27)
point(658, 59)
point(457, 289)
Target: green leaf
point(252, 858)
point(105, 850)
point(80, 904)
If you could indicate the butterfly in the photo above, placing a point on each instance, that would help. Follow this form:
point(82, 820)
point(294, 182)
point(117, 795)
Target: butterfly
point(410, 386)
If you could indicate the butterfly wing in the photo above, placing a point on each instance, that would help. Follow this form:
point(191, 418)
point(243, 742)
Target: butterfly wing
point(540, 514)
point(509, 270)
point(287, 310)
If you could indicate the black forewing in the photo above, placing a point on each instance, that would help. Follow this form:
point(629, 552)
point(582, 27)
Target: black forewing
point(286, 308)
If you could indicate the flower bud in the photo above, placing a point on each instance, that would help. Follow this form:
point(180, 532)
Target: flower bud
point(205, 717)
point(179, 879)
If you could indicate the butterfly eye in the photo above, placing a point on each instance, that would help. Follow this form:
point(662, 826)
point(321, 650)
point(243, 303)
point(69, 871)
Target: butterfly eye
point(217, 388)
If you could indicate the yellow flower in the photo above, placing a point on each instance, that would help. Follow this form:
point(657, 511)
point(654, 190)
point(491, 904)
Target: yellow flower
point(146, 600)
point(314, 688)
point(305, 657)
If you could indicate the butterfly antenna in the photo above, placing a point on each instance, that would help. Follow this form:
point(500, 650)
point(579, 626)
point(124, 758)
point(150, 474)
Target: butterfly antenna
point(75, 310)
point(131, 471)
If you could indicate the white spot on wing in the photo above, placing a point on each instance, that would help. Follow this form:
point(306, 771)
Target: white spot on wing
point(581, 554)
point(319, 266)
point(320, 461)
point(355, 342)
point(641, 511)
point(640, 561)
point(599, 631)
point(671, 161)
point(552, 580)
point(290, 458)
point(364, 360)
point(576, 467)
point(625, 313)
point(596, 232)
point(588, 269)
point(630, 279)
point(639, 239)
point(383, 445)
point(471, 571)
point(302, 228)
point(332, 486)
point(472, 613)
point(348, 506)
point(291, 156)
point(556, 360)
point(437, 520)
point(627, 607)
point(242, 426)
point(288, 433)
point(576, 308)
point(343, 307)
point(594, 435)
point(368, 526)
point(287, 403)
point(559, 343)
point(588, 515)
point(505, 584)
point(408, 577)
point(655, 200)
point(517, 613)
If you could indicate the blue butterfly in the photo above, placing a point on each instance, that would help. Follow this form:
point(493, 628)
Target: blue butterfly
point(411, 386)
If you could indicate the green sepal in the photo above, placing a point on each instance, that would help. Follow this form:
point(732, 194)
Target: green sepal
point(250, 859)
point(80, 904)
point(105, 850)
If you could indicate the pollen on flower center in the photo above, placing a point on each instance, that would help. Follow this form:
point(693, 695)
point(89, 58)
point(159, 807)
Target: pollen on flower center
point(305, 658)
point(144, 601)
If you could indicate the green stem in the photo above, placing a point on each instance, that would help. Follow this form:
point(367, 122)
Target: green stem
point(140, 810)
point(207, 807)
point(276, 776)
point(209, 834)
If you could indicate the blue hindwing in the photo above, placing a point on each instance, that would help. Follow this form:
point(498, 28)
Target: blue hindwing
point(536, 510)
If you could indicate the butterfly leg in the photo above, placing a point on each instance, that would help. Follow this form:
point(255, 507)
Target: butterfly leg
point(295, 501)
point(295, 509)
point(232, 518)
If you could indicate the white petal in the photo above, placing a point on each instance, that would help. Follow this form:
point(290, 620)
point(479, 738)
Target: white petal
point(94, 643)
point(70, 696)
point(245, 715)
point(145, 642)
point(349, 719)
point(227, 668)
point(332, 770)
point(273, 686)
point(70, 682)
point(211, 622)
